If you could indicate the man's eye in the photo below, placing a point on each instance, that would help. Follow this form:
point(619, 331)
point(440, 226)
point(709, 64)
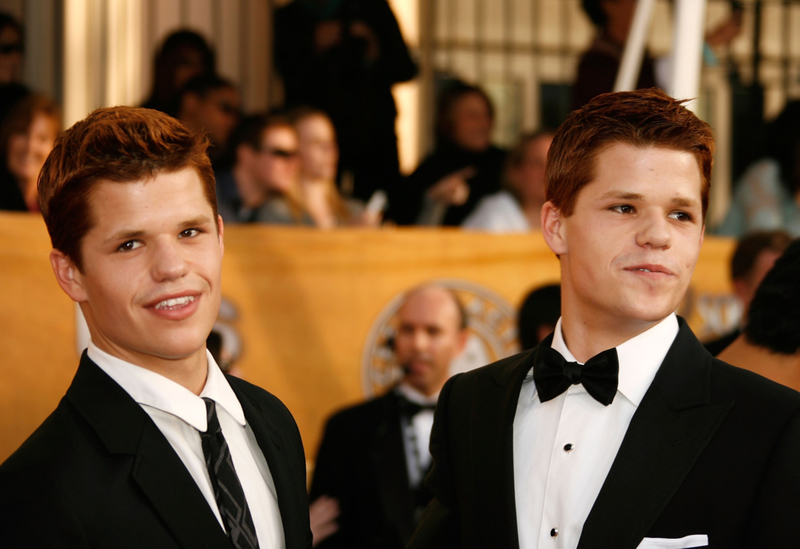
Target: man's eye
point(623, 208)
point(128, 246)
point(188, 233)
point(681, 216)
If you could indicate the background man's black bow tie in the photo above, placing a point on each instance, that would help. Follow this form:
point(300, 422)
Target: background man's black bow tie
point(410, 409)
point(553, 374)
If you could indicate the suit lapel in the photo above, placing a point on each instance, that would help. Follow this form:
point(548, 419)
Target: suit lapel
point(492, 444)
point(125, 428)
point(387, 457)
point(280, 467)
point(669, 430)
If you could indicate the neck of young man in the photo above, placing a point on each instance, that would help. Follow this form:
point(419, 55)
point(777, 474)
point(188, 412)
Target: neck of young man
point(189, 372)
point(589, 333)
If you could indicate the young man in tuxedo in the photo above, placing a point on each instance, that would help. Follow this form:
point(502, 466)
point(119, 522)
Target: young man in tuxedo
point(374, 456)
point(619, 430)
point(152, 446)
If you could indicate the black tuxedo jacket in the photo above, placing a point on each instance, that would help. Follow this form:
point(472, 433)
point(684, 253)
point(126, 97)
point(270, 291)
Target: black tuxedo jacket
point(711, 449)
point(99, 473)
point(361, 462)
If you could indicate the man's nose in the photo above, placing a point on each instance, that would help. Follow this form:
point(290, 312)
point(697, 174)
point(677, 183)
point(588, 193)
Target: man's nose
point(654, 231)
point(168, 261)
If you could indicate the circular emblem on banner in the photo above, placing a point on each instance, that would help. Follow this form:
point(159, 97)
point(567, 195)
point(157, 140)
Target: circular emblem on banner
point(491, 322)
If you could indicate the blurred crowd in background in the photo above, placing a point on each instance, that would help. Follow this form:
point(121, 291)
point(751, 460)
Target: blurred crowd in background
point(328, 157)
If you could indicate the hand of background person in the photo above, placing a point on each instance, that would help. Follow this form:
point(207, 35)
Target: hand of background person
point(359, 29)
point(323, 513)
point(327, 34)
point(452, 189)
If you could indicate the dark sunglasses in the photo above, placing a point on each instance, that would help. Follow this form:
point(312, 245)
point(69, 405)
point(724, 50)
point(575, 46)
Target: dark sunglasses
point(280, 153)
point(227, 108)
point(8, 49)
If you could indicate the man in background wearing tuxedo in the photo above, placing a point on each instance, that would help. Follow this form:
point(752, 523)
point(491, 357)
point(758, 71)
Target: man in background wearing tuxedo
point(619, 430)
point(374, 456)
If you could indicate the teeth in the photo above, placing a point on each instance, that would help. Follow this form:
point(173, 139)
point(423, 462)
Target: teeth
point(645, 270)
point(176, 302)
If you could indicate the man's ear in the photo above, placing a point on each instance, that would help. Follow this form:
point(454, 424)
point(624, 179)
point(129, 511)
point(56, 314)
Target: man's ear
point(221, 231)
point(553, 228)
point(68, 276)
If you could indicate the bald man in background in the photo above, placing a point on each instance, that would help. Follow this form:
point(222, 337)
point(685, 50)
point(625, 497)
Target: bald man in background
point(374, 456)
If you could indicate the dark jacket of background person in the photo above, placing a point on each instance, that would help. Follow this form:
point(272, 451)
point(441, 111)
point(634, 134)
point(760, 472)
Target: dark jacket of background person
point(598, 68)
point(361, 463)
point(183, 56)
point(446, 159)
point(354, 91)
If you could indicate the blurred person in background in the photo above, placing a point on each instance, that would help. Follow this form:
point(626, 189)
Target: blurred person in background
point(183, 55)
point(538, 315)
point(209, 103)
point(754, 256)
point(26, 138)
point(770, 345)
point(374, 456)
point(12, 47)
point(464, 167)
point(319, 157)
point(261, 185)
point(599, 65)
point(344, 56)
point(518, 207)
point(768, 195)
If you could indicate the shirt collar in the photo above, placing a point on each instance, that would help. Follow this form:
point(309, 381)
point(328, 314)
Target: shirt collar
point(156, 391)
point(639, 357)
point(415, 396)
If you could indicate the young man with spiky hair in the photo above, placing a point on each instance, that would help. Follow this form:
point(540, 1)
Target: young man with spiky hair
point(152, 446)
point(620, 430)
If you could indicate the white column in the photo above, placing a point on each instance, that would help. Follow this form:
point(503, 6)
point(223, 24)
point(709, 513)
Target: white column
point(687, 54)
point(634, 47)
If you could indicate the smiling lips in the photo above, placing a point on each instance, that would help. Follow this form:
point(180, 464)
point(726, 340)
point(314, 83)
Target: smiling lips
point(175, 302)
point(650, 269)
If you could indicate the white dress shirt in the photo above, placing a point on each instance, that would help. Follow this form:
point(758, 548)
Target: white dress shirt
point(564, 448)
point(417, 435)
point(180, 415)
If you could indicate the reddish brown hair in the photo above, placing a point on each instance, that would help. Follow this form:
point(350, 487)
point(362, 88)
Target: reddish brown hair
point(642, 118)
point(119, 144)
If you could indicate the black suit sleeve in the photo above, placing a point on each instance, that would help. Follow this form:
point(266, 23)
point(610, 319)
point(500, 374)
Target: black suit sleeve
point(33, 514)
point(774, 522)
point(440, 525)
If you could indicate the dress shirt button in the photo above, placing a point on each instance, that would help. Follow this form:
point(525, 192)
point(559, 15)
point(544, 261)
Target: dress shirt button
point(554, 532)
point(568, 447)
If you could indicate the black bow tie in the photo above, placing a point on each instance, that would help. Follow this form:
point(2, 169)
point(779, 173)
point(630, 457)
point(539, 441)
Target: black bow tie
point(553, 374)
point(410, 409)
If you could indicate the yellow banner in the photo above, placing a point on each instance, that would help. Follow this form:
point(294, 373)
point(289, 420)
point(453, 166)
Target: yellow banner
point(309, 311)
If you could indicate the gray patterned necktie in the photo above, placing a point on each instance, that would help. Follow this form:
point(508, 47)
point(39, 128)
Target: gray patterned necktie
point(227, 488)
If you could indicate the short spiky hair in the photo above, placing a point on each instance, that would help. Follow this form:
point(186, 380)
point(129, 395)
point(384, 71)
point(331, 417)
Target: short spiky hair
point(642, 118)
point(118, 144)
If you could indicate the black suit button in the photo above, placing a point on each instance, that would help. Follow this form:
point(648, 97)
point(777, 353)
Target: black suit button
point(554, 532)
point(568, 447)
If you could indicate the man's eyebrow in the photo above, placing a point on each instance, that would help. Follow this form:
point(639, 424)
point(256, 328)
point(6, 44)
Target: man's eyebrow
point(679, 201)
point(195, 221)
point(684, 202)
point(621, 195)
point(126, 234)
